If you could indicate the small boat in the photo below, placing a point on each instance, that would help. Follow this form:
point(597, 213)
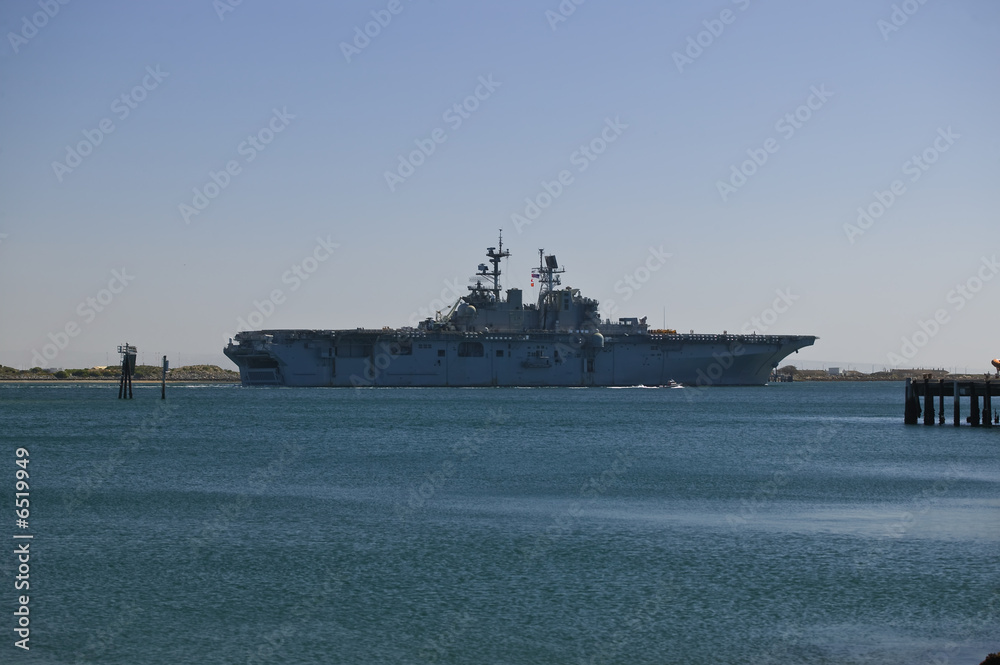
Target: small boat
point(673, 384)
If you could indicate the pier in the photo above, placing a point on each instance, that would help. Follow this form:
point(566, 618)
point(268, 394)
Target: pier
point(980, 394)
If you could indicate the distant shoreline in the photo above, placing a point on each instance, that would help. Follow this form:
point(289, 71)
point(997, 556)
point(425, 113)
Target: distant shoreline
point(114, 381)
point(819, 375)
point(142, 374)
point(236, 382)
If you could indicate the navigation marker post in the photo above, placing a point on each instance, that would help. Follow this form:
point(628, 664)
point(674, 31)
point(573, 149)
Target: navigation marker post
point(128, 354)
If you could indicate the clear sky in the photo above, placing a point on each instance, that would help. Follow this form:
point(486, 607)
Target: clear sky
point(738, 137)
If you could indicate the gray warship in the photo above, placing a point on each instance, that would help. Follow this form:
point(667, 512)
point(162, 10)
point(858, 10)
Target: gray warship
point(491, 337)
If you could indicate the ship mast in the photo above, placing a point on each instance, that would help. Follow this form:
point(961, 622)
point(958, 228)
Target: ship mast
point(549, 270)
point(495, 257)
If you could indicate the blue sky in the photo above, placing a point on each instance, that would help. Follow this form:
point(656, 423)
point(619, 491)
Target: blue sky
point(202, 86)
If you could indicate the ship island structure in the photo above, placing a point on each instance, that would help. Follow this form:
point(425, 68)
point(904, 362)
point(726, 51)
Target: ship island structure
point(491, 337)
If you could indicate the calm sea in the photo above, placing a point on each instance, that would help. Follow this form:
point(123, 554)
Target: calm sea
point(796, 523)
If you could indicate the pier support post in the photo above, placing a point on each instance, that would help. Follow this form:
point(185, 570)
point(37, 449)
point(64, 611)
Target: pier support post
point(163, 381)
point(125, 383)
point(121, 381)
point(941, 402)
point(928, 402)
point(911, 410)
point(987, 406)
point(128, 367)
point(958, 405)
point(974, 405)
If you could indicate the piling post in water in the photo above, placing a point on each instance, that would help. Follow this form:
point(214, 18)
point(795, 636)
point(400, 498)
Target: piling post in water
point(941, 402)
point(987, 406)
point(128, 369)
point(163, 381)
point(958, 405)
point(121, 379)
point(974, 405)
point(911, 410)
point(928, 401)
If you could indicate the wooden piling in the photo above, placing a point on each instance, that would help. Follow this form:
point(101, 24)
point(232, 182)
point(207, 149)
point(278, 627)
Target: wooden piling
point(973, 406)
point(125, 383)
point(928, 402)
point(121, 379)
point(987, 407)
point(163, 380)
point(911, 409)
point(958, 405)
point(941, 402)
point(128, 367)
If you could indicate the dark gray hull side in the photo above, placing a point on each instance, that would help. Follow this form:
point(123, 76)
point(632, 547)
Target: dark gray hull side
point(523, 360)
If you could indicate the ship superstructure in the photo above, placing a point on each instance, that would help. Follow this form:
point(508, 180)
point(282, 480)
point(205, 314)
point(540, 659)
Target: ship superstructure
point(490, 337)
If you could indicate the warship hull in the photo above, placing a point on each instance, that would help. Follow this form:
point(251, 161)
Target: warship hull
point(488, 339)
point(369, 359)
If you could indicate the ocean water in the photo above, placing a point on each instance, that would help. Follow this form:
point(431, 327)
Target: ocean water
point(795, 523)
